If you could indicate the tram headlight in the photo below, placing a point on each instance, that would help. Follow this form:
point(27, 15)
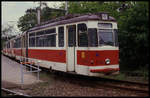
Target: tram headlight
point(107, 61)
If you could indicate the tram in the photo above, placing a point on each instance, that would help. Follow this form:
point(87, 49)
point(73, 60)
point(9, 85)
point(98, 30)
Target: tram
point(81, 44)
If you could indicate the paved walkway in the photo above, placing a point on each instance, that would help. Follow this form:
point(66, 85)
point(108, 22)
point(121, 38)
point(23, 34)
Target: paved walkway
point(11, 72)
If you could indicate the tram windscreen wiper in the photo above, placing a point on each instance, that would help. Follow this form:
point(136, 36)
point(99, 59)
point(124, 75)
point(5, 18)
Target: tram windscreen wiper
point(105, 38)
point(102, 42)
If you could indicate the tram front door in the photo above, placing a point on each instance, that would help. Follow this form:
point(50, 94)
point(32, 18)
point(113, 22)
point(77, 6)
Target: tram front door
point(71, 44)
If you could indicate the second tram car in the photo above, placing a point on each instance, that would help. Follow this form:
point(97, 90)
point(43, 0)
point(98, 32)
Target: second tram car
point(82, 44)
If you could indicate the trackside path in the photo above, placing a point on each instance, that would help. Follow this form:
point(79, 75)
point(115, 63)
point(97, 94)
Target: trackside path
point(11, 72)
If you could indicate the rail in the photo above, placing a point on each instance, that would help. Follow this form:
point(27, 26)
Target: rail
point(15, 93)
point(23, 61)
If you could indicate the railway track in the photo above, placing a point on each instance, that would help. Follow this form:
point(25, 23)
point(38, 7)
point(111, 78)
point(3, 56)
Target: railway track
point(13, 93)
point(128, 86)
point(97, 82)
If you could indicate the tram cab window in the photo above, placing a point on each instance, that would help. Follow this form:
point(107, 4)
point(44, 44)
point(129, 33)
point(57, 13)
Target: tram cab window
point(92, 33)
point(32, 40)
point(82, 35)
point(106, 37)
point(61, 36)
point(72, 35)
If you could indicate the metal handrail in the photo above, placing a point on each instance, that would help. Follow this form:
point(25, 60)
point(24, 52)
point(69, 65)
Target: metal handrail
point(30, 65)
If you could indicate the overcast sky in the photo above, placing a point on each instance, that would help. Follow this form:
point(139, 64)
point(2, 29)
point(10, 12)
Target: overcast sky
point(11, 11)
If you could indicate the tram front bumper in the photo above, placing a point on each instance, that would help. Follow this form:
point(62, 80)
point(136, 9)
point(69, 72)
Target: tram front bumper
point(104, 69)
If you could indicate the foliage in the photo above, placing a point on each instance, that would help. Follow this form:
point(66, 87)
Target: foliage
point(7, 31)
point(133, 36)
point(29, 20)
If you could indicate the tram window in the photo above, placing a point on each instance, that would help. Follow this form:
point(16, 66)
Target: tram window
point(40, 33)
point(106, 37)
point(105, 25)
point(14, 43)
point(31, 34)
point(8, 45)
point(82, 35)
point(50, 31)
point(39, 41)
point(61, 36)
point(17, 43)
point(92, 33)
point(51, 40)
point(72, 35)
point(45, 40)
point(32, 40)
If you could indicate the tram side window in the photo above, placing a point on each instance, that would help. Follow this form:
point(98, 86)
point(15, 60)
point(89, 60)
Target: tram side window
point(72, 35)
point(17, 43)
point(82, 35)
point(50, 38)
point(46, 38)
point(8, 45)
point(14, 43)
point(61, 36)
point(92, 33)
point(39, 39)
point(32, 40)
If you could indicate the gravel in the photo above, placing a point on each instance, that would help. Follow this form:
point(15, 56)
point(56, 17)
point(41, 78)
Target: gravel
point(61, 86)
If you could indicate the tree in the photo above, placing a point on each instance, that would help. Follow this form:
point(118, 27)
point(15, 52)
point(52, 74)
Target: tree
point(29, 20)
point(133, 35)
point(7, 31)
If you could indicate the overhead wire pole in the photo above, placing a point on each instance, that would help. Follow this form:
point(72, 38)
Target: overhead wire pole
point(39, 10)
point(66, 7)
point(39, 14)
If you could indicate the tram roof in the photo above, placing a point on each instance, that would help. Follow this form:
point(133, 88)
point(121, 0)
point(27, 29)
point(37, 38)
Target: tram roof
point(71, 18)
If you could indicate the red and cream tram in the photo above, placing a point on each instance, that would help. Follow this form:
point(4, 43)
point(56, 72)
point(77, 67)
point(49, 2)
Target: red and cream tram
point(84, 44)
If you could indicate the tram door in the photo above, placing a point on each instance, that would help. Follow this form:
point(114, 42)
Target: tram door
point(71, 44)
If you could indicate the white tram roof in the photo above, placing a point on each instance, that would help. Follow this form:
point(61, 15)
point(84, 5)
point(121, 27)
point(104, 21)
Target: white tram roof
point(71, 19)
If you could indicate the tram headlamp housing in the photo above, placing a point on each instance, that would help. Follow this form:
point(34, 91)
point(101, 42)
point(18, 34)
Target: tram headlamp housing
point(107, 61)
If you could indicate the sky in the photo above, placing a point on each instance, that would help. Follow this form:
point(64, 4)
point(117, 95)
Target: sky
point(11, 11)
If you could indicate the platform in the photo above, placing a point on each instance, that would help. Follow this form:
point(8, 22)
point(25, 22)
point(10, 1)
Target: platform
point(11, 72)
